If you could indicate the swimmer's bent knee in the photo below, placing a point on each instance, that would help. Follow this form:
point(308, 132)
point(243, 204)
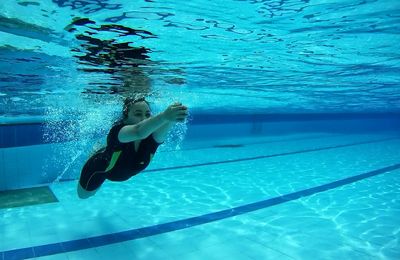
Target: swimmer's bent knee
point(84, 194)
point(92, 181)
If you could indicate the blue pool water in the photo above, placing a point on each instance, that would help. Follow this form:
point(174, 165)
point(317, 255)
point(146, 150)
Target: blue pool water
point(291, 149)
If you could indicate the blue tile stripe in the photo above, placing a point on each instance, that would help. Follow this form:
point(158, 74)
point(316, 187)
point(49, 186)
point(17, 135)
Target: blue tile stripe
point(25, 134)
point(118, 237)
point(22, 253)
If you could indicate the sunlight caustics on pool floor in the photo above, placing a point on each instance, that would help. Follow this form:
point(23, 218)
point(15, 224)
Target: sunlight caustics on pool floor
point(215, 202)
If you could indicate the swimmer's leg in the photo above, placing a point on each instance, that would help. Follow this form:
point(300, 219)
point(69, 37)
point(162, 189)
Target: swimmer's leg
point(84, 194)
point(90, 183)
point(92, 175)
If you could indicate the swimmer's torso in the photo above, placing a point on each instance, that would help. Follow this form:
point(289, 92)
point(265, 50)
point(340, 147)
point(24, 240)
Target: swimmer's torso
point(120, 160)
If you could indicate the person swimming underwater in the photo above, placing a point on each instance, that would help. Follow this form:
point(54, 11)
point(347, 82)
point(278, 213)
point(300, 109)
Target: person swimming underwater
point(131, 144)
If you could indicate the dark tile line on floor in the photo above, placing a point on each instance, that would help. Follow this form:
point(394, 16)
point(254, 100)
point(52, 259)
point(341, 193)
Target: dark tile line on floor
point(86, 243)
point(269, 156)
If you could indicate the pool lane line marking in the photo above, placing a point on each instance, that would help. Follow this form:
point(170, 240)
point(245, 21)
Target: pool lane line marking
point(118, 237)
point(269, 156)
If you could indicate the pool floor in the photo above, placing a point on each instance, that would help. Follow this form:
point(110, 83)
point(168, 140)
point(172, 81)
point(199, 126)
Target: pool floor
point(263, 197)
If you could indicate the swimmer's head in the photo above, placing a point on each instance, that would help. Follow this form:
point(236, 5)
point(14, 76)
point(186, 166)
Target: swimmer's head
point(135, 110)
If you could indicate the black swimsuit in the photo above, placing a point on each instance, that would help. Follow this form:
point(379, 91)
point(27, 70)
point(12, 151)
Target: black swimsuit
point(118, 161)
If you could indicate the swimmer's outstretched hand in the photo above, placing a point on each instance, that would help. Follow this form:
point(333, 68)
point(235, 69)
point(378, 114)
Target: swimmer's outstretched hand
point(176, 112)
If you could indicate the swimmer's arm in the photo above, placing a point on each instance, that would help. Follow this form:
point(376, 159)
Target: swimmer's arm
point(161, 133)
point(174, 113)
point(141, 130)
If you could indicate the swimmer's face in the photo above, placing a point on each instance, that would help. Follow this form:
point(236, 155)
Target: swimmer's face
point(138, 112)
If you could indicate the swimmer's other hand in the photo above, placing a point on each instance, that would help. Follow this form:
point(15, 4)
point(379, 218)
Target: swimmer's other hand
point(176, 112)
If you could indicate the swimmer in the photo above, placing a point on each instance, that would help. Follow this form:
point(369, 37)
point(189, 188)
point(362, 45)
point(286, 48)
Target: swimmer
point(131, 144)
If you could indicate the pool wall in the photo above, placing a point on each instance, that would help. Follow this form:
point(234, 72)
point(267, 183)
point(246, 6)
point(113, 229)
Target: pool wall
point(24, 154)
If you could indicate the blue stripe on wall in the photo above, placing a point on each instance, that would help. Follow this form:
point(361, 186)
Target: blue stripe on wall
point(79, 244)
point(13, 135)
point(241, 118)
